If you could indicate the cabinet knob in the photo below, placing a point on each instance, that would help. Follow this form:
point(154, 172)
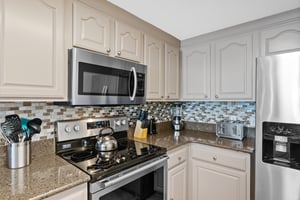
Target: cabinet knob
point(205, 96)
point(108, 50)
point(179, 158)
point(214, 158)
point(162, 97)
point(119, 53)
point(216, 96)
point(168, 97)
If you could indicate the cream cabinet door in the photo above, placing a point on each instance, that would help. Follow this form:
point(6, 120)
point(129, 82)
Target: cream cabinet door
point(76, 193)
point(155, 61)
point(91, 28)
point(196, 69)
point(177, 181)
point(213, 182)
point(233, 69)
point(280, 38)
point(171, 72)
point(32, 50)
point(128, 42)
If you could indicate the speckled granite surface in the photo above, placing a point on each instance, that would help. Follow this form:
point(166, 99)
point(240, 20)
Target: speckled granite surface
point(165, 138)
point(46, 175)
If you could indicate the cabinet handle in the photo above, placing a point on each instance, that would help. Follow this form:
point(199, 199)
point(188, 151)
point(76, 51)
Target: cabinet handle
point(119, 53)
point(179, 158)
point(216, 96)
point(108, 50)
point(206, 96)
point(214, 158)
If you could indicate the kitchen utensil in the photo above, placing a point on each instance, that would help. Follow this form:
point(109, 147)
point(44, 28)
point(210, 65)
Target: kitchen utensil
point(106, 142)
point(34, 127)
point(7, 139)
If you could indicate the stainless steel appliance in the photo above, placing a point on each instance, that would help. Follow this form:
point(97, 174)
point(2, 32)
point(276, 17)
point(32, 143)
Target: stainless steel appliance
point(96, 79)
point(278, 128)
point(231, 129)
point(132, 171)
point(177, 117)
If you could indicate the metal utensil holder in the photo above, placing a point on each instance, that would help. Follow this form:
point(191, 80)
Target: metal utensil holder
point(19, 154)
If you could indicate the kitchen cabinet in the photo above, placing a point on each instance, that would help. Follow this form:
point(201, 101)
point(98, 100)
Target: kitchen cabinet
point(217, 173)
point(280, 38)
point(155, 61)
point(95, 30)
point(78, 192)
point(162, 62)
point(91, 28)
point(223, 69)
point(177, 174)
point(33, 64)
point(233, 68)
point(171, 72)
point(128, 42)
point(196, 72)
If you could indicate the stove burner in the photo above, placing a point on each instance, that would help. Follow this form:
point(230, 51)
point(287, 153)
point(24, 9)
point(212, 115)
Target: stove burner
point(107, 163)
point(83, 155)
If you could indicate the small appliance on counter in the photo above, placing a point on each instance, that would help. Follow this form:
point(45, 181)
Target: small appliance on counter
point(152, 126)
point(231, 129)
point(177, 121)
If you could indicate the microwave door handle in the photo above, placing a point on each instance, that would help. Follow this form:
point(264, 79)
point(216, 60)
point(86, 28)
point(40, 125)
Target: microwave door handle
point(135, 84)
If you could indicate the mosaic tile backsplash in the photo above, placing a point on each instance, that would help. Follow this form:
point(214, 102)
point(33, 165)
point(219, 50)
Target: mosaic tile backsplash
point(207, 112)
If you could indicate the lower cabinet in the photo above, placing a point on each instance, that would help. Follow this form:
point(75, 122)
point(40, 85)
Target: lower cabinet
point(177, 174)
point(78, 192)
point(218, 174)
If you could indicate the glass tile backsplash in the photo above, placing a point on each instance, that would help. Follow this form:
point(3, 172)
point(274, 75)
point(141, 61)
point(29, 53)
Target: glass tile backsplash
point(207, 112)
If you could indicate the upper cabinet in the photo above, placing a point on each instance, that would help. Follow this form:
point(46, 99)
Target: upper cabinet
point(128, 42)
point(91, 28)
point(221, 70)
point(32, 52)
point(97, 31)
point(162, 62)
point(280, 38)
point(233, 69)
point(171, 72)
point(196, 69)
point(155, 61)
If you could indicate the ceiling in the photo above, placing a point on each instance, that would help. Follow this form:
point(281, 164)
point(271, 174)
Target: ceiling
point(188, 18)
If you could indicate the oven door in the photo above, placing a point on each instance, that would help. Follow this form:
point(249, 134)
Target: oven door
point(144, 181)
point(98, 80)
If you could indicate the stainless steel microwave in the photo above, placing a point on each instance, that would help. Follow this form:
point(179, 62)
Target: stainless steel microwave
point(96, 79)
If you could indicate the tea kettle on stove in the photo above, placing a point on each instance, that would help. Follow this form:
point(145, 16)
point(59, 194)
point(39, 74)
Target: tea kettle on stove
point(106, 142)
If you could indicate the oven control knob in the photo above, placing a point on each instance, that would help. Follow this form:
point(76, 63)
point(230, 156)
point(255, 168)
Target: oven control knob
point(68, 129)
point(123, 122)
point(117, 123)
point(76, 128)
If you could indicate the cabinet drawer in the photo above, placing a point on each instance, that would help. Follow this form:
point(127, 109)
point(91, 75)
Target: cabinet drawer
point(225, 157)
point(177, 156)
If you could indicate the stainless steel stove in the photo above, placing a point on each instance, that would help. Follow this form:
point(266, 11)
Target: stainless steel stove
point(134, 171)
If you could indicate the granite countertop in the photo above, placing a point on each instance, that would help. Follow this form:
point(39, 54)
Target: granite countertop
point(165, 138)
point(45, 176)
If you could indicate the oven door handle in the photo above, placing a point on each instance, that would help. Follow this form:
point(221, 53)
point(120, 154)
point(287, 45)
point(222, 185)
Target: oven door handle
point(132, 174)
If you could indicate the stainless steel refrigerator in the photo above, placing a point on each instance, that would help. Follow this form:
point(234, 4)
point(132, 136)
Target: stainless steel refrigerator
point(277, 171)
